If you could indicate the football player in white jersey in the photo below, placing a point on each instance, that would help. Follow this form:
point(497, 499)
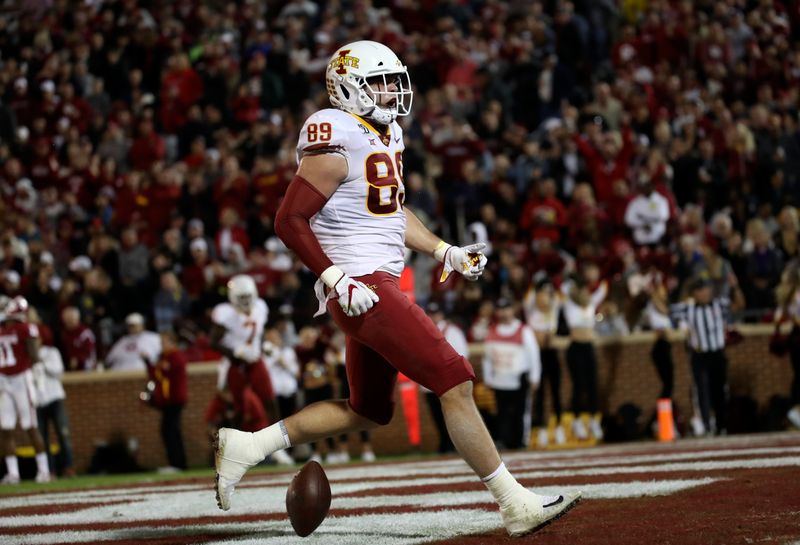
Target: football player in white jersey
point(236, 333)
point(343, 216)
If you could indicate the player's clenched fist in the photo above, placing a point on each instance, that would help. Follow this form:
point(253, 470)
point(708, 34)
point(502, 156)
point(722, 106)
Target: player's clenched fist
point(467, 260)
point(354, 297)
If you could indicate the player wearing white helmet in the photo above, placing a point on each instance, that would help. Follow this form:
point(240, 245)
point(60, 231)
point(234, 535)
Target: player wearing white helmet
point(367, 79)
point(343, 215)
point(19, 350)
point(236, 334)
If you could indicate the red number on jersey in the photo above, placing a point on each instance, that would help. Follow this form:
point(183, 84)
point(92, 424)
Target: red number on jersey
point(251, 325)
point(321, 132)
point(380, 177)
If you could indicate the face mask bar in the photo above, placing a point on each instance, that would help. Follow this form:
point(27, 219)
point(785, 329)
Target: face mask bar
point(244, 301)
point(403, 95)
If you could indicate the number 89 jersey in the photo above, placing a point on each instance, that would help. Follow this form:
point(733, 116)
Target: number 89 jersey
point(362, 226)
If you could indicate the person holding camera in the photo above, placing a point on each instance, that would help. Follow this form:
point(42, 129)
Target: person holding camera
point(168, 392)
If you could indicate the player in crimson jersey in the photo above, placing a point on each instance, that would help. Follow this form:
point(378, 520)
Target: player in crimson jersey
point(343, 215)
point(19, 349)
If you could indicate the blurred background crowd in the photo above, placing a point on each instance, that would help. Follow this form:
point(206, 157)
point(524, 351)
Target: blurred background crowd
point(145, 147)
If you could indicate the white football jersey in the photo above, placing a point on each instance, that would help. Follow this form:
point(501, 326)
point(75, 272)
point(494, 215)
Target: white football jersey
point(241, 329)
point(362, 226)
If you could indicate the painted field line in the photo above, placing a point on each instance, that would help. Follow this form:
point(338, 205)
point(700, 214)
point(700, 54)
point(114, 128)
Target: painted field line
point(404, 526)
point(186, 505)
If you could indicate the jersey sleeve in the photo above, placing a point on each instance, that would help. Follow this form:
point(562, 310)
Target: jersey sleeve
point(327, 131)
point(220, 315)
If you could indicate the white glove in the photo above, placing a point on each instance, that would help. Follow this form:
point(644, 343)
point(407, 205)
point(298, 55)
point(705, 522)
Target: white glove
point(354, 297)
point(467, 260)
point(247, 354)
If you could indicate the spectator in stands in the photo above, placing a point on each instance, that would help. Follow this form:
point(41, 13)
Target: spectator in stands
point(764, 266)
point(133, 351)
point(77, 342)
point(544, 215)
point(786, 239)
point(647, 215)
point(705, 108)
point(512, 369)
point(133, 269)
point(171, 303)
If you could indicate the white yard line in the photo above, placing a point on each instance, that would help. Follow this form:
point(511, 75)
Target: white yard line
point(394, 528)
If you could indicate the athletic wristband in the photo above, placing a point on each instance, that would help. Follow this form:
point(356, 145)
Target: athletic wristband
point(331, 276)
point(440, 251)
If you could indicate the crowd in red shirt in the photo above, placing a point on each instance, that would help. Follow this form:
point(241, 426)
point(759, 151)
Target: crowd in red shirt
point(535, 126)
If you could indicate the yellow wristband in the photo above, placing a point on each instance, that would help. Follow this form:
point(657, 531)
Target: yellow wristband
point(440, 251)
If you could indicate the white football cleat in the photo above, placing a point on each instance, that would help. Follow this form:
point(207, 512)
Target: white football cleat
point(533, 512)
point(234, 454)
point(10, 479)
point(42, 477)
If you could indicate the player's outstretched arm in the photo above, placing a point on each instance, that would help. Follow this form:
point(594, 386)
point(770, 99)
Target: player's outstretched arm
point(468, 260)
point(317, 178)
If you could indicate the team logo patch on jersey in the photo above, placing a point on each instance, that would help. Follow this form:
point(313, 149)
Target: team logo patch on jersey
point(344, 60)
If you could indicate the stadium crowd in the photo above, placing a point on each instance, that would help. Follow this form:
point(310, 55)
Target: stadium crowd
point(145, 147)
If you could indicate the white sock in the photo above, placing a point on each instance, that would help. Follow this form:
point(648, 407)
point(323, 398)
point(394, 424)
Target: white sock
point(12, 467)
point(272, 438)
point(41, 463)
point(502, 485)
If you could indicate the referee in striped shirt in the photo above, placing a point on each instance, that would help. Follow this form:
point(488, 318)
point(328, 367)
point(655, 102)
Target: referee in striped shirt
point(706, 318)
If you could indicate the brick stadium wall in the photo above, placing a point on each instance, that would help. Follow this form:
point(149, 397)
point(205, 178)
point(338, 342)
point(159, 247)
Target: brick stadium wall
point(104, 406)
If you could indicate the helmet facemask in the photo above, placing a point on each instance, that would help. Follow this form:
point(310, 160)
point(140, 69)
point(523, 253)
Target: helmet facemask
point(243, 301)
point(388, 104)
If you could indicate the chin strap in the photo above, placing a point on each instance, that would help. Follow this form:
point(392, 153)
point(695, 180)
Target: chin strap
point(382, 115)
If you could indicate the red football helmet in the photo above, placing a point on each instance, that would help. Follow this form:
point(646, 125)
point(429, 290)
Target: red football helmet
point(17, 309)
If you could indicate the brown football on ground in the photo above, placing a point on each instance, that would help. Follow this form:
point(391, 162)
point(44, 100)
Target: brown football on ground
point(308, 499)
